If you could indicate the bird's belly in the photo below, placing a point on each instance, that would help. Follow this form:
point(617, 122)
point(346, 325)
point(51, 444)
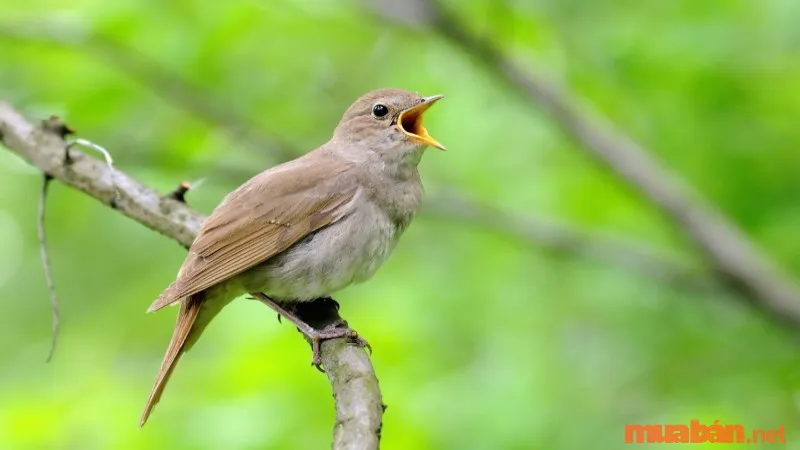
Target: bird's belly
point(347, 252)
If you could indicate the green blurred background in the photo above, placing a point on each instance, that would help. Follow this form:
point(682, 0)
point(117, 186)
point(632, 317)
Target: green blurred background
point(482, 338)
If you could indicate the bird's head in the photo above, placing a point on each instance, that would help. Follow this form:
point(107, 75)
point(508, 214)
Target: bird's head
point(388, 122)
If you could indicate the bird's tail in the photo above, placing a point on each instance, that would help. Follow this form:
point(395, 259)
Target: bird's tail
point(187, 325)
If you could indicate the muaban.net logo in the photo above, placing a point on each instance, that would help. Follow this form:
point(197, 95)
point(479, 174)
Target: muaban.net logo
point(696, 433)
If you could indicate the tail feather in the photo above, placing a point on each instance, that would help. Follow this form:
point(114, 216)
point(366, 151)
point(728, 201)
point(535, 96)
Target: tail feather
point(190, 309)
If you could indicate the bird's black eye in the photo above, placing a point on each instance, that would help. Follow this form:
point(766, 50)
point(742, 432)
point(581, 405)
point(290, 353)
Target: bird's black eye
point(380, 111)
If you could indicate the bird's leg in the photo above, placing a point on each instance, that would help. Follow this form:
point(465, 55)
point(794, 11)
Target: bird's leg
point(336, 328)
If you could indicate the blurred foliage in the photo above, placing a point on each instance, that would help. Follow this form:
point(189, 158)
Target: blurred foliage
point(481, 341)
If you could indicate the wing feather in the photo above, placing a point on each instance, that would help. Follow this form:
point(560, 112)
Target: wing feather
point(283, 207)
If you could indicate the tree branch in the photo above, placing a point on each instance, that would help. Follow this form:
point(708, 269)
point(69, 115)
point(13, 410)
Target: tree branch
point(48, 275)
point(735, 259)
point(355, 387)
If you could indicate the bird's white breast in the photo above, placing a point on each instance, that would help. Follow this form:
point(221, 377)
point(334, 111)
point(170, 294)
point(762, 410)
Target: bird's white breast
point(348, 251)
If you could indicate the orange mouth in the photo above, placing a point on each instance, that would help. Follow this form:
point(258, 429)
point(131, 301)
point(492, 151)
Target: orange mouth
point(410, 122)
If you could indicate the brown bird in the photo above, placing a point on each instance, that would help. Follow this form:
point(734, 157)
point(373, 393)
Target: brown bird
point(306, 228)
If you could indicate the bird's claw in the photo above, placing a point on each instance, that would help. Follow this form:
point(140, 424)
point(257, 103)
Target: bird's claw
point(361, 342)
point(317, 337)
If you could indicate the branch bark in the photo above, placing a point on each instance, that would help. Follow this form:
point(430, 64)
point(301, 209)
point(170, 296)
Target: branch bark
point(736, 260)
point(359, 407)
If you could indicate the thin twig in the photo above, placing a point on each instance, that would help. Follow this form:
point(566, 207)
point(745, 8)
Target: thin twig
point(106, 155)
point(179, 193)
point(59, 128)
point(48, 276)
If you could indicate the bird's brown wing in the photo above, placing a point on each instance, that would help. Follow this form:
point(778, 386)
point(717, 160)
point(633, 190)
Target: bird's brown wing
point(262, 218)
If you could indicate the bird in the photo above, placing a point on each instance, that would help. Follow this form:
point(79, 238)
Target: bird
point(306, 228)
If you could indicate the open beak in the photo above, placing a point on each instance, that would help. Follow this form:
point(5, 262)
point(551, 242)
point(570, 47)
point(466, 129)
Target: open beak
point(410, 121)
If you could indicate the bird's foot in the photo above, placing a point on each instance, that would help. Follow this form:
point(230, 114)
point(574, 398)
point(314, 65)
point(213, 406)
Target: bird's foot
point(318, 337)
point(315, 337)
